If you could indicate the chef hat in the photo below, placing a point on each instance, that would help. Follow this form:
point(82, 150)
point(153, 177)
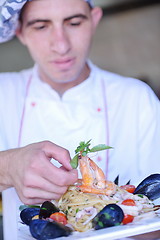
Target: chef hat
point(9, 14)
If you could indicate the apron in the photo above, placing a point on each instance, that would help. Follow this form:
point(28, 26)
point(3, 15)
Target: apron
point(67, 121)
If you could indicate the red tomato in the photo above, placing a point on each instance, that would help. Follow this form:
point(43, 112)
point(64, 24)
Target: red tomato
point(128, 188)
point(59, 217)
point(129, 202)
point(127, 219)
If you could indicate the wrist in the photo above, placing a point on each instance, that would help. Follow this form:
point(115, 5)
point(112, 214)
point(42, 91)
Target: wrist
point(5, 176)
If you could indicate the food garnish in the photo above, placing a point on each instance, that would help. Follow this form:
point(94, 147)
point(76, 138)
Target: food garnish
point(83, 149)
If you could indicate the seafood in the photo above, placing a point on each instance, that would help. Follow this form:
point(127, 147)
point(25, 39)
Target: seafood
point(27, 214)
point(43, 230)
point(47, 208)
point(94, 203)
point(150, 187)
point(93, 178)
point(110, 215)
point(41, 226)
point(83, 208)
point(81, 202)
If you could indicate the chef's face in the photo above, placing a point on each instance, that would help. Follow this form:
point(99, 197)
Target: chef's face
point(58, 35)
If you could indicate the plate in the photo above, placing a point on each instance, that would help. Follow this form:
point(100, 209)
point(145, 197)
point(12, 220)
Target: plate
point(111, 233)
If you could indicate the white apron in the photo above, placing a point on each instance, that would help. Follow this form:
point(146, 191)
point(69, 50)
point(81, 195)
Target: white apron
point(82, 114)
point(64, 121)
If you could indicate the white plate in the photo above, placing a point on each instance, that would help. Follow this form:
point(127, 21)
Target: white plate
point(110, 233)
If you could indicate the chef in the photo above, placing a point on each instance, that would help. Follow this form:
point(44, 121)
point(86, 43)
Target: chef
point(66, 99)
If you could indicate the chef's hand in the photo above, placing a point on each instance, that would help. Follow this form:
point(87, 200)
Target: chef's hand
point(34, 177)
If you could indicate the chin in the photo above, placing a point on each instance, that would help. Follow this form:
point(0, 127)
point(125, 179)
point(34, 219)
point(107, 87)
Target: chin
point(65, 79)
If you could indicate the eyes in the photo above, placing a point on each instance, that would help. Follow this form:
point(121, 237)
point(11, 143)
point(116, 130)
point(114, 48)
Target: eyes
point(43, 25)
point(75, 22)
point(39, 26)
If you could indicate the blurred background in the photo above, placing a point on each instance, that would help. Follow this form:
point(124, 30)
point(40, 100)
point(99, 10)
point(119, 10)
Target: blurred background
point(127, 42)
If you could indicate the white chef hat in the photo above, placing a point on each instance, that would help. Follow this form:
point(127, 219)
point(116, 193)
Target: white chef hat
point(9, 14)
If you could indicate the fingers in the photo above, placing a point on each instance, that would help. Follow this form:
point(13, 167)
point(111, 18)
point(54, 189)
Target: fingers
point(37, 182)
point(36, 179)
point(47, 170)
point(30, 195)
point(50, 173)
point(58, 153)
point(38, 190)
point(59, 176)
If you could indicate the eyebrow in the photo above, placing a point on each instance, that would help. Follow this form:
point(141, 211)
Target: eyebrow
point(29, 23)
point(76, 16)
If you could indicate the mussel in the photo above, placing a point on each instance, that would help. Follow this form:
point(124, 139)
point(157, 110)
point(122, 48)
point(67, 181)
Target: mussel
point(27, 214)
point(110, 215)
point(150, 187)
point(47, 208)
point(43, 230)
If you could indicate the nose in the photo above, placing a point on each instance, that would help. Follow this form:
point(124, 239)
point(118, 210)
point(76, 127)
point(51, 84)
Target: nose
point(60, 42)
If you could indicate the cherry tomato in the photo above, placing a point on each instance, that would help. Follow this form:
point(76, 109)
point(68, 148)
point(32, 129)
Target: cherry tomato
point(129, 202)
point(127, 219)
point(128, 188)
point(59, 217)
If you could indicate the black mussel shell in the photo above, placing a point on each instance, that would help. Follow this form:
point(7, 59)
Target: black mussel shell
point(43, 229)
point(116, 181)
point(47, 209)
point(150, 187)
point(110, 215)
point(27, 214)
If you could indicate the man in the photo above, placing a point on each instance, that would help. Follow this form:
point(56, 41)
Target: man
point(66, 99)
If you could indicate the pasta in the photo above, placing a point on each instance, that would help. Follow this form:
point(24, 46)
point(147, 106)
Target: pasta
point(82, 203)
point(75, 201)
point(81, 208)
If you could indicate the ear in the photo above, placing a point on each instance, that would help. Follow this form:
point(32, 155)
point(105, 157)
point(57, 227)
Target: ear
point(96, 14)
point(19, 34)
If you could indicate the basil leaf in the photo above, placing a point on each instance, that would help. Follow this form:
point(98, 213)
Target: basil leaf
point(99, 147)
point(74, 161)
point(83, 147)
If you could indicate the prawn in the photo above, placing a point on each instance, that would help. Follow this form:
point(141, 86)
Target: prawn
point(93, 178)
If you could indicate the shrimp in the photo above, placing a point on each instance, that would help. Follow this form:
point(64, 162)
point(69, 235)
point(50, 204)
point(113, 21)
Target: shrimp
point(93, 178)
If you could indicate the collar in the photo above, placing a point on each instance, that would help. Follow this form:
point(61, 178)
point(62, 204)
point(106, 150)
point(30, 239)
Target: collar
point(40, 89)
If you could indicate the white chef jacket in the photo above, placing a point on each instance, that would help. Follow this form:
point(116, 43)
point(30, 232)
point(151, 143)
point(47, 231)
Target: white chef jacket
point(121, 112)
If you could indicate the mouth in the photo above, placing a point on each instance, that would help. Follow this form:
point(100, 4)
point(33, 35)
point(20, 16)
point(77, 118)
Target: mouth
point(63, 64)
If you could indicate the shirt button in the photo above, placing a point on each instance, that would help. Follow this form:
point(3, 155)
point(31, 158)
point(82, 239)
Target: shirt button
point(33, 104)
point(99, 109)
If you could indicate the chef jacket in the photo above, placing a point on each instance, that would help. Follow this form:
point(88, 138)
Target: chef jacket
point(121, 112)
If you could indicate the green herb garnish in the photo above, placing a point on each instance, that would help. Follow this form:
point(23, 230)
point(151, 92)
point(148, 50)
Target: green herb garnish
point(140, 195)
point(77, 210)
point(83, 149)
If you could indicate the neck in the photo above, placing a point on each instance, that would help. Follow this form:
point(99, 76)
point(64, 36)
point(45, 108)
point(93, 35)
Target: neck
point(62, 87)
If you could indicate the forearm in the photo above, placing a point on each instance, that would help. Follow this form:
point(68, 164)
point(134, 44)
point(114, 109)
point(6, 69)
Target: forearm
point(5, 157)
